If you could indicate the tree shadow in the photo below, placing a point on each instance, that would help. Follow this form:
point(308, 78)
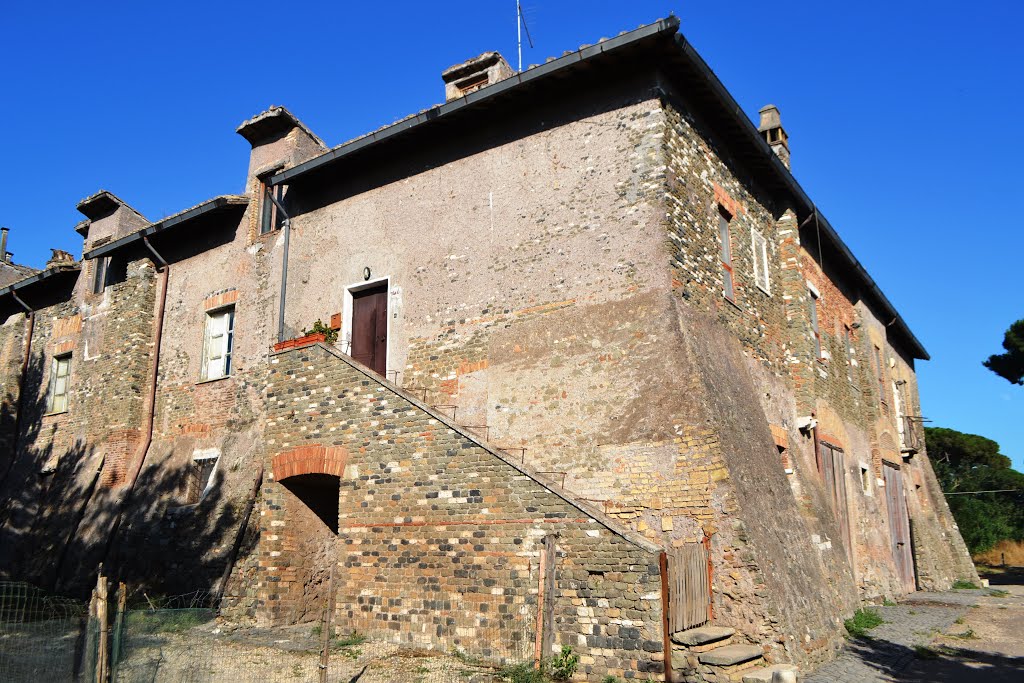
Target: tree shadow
point(936, 664)
point(59, 510)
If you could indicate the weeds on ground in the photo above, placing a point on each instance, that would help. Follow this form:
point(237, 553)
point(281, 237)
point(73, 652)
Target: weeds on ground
point(969, 634)
point(560, 667)
point(466, 658)
point(961, 584)
point(959, 620)
point(167, 621)
point(354, 638)
point(522, 673)
point(889, 603)
point(564, 664)
point(925, 652)
point(863, 620)
point(317, 630)
point(998, 592)
point(610, 679)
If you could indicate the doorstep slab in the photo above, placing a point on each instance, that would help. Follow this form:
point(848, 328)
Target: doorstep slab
point(702, 635)
point(730, 655)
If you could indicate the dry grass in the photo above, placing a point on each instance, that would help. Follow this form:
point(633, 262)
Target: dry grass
point(1012, 550)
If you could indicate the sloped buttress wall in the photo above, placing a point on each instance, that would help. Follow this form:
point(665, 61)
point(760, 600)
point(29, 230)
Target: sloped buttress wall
point(440, 538)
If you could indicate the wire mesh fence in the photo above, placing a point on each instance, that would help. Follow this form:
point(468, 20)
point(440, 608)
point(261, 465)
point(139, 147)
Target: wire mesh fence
point(147, 639)
point(42, 638)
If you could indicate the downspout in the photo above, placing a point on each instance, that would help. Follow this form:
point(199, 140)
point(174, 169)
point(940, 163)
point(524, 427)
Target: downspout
point(30, 314)
point(164, 270)
point(286, 225)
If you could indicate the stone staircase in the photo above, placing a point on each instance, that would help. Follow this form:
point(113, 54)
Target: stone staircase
point(710, 654)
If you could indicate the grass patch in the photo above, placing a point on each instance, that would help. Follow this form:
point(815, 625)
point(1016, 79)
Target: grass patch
point(522, 673)
point(354, 638)
point(959, 620)
point(998, 592)
point(889, 603)
point(925, 652)
point(863, 621)
point(167, 621)
point(961, 584)
point(969, 634)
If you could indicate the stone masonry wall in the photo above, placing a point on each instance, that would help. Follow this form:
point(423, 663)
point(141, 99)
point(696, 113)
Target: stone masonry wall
point(440, 538)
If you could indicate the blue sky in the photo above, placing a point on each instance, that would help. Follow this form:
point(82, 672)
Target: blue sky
point(906, 123)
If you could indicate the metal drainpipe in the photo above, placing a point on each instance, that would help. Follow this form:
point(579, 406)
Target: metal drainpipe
point(287, 227)
point(30, 314)
point(164, 269)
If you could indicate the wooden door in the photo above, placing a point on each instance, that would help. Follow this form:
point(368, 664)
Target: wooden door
point(370, 328)
point(899, 525)
point(834, 472)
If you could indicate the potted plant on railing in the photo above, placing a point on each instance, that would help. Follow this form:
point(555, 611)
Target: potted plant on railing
point(319, 332)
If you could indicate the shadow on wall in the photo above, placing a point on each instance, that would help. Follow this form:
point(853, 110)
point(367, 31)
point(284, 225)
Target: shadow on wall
point(57, 516)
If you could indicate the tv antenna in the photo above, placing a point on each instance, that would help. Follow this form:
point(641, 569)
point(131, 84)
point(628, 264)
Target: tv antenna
point(520, 25)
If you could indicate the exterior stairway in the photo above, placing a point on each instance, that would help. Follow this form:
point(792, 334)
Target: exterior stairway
point(710, 654)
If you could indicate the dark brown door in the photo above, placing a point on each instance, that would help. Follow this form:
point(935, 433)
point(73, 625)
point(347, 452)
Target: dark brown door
point(370, 327)
point(899, 525)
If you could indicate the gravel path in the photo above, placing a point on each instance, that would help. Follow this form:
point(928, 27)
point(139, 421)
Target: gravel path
point(914, 642)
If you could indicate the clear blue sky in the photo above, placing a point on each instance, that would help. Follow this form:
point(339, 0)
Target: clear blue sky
point(906, 122)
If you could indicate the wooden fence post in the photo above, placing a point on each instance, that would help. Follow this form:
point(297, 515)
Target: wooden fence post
point(325, 633)
point(102, 656)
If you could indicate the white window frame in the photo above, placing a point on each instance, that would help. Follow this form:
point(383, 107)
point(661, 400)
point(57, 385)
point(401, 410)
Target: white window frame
point(216, 362)
point(51, 391)
point(760, 259)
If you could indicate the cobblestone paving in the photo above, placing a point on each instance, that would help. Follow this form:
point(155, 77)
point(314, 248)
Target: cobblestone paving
point(890, 650)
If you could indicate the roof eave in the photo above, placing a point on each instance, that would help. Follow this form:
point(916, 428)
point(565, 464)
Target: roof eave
point(203, 209)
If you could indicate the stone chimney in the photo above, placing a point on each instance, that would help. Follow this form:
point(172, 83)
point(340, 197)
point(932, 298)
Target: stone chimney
point(3, 246)
point(773, 132)
point(479, 72)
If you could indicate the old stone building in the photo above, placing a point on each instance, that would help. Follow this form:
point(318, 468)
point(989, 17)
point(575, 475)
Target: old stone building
point(590, 331)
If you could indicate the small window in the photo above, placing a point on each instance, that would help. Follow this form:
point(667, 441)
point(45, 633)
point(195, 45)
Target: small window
point(218, 343)
point(850, 362)
point(100, 268)
point(271, 217)
point(201, 474)
point(759, 247)
point(57, 393)
point(865, 480)
point(880, 369)
point(728, 288)
point(813, 308)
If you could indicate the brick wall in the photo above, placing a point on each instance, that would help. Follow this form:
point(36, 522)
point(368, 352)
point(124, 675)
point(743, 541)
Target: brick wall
point(440, 538)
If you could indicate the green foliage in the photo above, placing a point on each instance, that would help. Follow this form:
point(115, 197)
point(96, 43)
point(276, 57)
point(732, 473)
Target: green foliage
point(863, 620)
point(1010, 365)
point(960, 584)
point(167, 620)
point(330, 336)
point(354, 638)
point(968, 462)
point(610, 679)
point(522, 673)
point(564, 664)
point(925, 652)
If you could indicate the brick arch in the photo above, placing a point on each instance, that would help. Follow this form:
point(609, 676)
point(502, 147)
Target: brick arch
point(313, 459)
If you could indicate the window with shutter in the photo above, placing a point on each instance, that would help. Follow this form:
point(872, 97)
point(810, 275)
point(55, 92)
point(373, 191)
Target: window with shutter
point(759, 247)
point(218, 344)
point(57, 393)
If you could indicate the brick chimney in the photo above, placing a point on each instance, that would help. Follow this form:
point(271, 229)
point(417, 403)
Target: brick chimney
point(479, 72)
point(773, 132)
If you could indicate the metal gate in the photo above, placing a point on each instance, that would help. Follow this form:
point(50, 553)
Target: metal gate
point(899, 525)
point(689, 587)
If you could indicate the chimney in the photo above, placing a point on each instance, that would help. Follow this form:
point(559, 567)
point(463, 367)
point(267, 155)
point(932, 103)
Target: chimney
point(479, 72)
point(773, 132)
point(3, 245)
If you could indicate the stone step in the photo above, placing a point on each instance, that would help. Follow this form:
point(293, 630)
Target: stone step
point(730, 655)
point(702, 635)
point(764, 675)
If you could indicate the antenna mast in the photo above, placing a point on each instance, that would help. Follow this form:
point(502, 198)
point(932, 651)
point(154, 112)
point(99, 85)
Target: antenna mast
point(520, 25)
point(519, 34)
